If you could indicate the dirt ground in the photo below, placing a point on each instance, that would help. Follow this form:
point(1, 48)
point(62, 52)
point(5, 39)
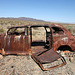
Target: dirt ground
point(25, 65)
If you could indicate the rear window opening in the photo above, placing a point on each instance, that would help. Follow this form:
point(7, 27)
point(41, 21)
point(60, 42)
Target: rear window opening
point(57, 30)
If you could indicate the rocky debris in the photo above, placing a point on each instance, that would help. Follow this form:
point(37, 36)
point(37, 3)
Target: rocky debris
point(25, 65)
point(68, 55)
point(1, 56)
point(71, 59)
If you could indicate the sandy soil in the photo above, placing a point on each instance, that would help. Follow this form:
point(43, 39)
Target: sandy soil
point(25, 65)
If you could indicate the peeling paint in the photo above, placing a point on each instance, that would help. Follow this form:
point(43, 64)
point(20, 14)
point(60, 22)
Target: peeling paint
point(23, 37)
point(9, 40)
point(65, 39)
point(17, 38)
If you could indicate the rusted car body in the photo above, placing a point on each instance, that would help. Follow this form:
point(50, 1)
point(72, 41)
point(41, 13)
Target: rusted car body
point(20, 43)
point(19, 40)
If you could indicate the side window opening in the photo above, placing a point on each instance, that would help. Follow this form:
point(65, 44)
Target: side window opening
point(12, 30)
point(57, 30)
point(18, 31)
point(38, 34)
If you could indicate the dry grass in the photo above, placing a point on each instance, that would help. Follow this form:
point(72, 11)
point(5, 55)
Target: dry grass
point(6, 23)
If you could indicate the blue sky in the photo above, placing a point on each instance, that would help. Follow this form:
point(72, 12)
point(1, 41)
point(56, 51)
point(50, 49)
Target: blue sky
point(49, 10)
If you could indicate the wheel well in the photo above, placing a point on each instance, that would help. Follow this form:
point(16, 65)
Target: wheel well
point(64, 48)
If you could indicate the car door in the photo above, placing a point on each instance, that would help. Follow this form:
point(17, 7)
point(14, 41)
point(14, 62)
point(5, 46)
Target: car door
point(17, 42)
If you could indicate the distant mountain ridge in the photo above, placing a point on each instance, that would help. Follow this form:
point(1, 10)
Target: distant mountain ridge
point(22, 18)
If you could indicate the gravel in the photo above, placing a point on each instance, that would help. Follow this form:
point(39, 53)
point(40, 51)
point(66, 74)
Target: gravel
point(25, 65)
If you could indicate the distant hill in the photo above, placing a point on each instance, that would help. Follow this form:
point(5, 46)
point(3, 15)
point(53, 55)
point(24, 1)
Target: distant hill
point(7, 22)
point(23, 18)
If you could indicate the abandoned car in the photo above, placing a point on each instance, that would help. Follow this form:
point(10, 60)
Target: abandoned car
point(41, 41)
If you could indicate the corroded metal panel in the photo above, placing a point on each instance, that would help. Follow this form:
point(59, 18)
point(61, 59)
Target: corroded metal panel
point(15, 44)
point(1, 42)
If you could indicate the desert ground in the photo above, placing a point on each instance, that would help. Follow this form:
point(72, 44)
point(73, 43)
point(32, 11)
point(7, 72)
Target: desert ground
point(25, 65)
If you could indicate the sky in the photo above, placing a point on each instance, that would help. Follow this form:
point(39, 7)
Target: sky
point(48, 10)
